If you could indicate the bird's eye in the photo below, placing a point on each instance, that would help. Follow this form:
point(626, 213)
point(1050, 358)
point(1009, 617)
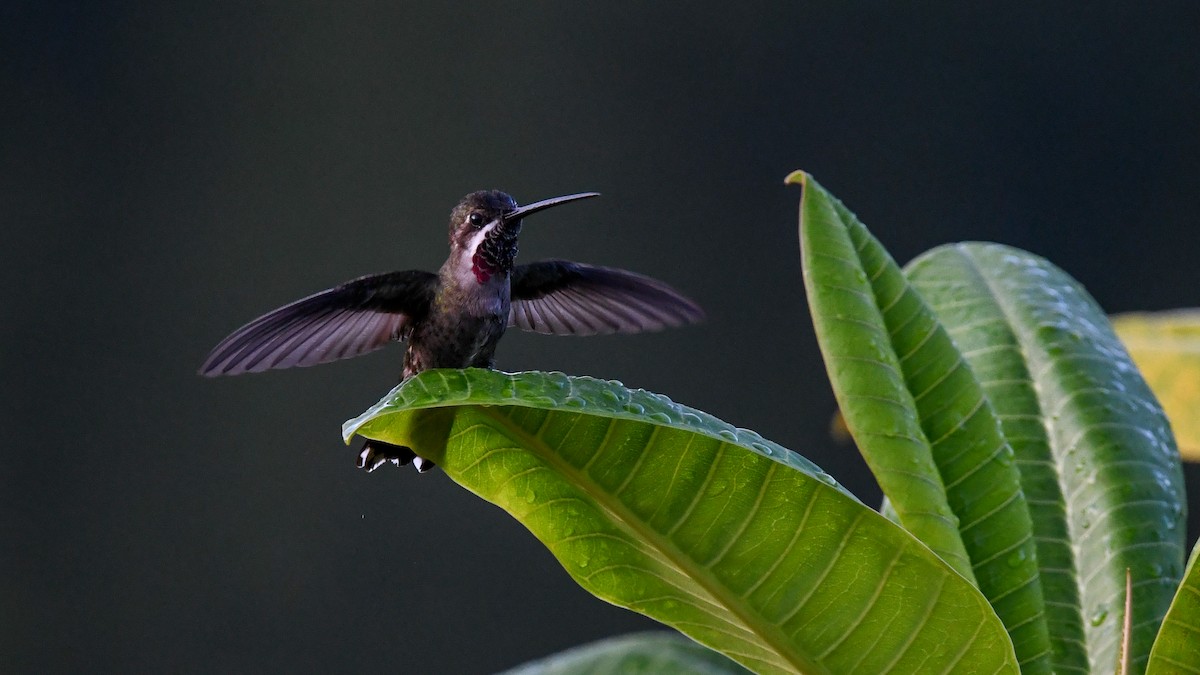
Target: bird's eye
point(476, 219)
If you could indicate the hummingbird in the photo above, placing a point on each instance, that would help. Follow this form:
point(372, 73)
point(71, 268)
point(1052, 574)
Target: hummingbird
point(455, 317)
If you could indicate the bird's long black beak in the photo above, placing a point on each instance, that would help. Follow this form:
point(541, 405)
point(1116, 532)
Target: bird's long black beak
point(530, 209)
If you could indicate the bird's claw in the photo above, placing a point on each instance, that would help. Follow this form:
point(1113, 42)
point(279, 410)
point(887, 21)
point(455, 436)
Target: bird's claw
point(375, 454)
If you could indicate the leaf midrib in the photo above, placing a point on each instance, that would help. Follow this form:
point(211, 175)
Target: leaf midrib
point(670, 552)
point(1011, 322)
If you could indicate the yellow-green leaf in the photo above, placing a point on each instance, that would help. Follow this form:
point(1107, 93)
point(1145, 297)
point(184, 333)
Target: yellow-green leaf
point(1166, 348)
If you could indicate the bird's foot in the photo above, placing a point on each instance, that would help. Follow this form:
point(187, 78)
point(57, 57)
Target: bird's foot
point(375, 454)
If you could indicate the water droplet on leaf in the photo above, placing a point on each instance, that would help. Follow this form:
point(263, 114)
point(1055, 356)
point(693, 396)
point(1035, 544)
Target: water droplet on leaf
point(1017, 558)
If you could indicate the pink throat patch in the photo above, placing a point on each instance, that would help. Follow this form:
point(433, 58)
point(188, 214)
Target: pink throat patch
point(481, 269)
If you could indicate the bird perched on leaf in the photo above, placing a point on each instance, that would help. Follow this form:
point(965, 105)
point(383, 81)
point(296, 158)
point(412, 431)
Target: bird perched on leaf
point(455, 317)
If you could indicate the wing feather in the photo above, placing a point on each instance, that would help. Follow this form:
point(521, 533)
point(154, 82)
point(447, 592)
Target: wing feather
point(617, 314)
point(559, 297)
point(568, 314)
point(354, 318)
point(293, 345)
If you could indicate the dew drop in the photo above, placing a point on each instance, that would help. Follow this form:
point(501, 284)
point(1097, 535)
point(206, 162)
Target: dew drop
point(660, 417)
point(575, 402)
point(635, 408)
point(1099, 615)
point(728, 434)
point(1017, 558)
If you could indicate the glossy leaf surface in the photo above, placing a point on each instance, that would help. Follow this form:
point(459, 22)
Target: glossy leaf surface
point(737, 542)
point(1097, 461)
point(920, 417)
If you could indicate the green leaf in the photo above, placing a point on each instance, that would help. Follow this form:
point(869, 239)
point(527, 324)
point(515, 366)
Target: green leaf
point(637, 654)
point(1166, 348)
point(739, 543)
point(1097, 461)
point(865, 372)
point(1177, 647)
point(921, 418)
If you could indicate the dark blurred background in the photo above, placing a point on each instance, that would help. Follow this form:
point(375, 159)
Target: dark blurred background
point(169, 172)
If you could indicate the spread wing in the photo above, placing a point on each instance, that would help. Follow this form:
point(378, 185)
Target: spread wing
point(357, 317)
point(559, 297)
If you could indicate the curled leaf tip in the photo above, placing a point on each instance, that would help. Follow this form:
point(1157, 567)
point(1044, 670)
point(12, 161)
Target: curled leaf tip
point(797, 177)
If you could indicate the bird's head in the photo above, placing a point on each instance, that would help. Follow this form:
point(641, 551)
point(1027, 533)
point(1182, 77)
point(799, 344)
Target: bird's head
point(484, 228)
